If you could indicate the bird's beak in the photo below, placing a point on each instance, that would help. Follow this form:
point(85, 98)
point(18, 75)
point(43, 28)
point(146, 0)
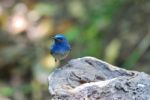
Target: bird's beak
point(51, 37)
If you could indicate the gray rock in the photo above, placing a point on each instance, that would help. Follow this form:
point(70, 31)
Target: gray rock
point(91, 79)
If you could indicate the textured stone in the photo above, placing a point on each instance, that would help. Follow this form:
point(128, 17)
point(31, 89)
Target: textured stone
point(88, 78)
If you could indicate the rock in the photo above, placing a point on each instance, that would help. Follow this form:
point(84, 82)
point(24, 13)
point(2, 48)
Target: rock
point(88, 78)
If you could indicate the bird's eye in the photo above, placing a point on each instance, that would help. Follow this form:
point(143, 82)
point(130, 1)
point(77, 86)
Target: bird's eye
point(59, 39)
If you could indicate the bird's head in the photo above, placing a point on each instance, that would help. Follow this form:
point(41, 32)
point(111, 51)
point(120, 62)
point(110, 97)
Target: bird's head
point(59, 38)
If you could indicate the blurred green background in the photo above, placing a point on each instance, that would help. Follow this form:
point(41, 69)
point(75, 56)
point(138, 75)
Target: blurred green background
point(116, 31)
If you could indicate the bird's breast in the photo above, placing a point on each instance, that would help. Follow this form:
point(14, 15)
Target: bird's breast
point(60, 56)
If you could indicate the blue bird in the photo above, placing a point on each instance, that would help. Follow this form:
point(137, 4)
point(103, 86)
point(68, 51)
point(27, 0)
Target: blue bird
point(60, 47)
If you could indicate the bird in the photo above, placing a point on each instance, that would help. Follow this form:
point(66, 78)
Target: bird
point(60, 48)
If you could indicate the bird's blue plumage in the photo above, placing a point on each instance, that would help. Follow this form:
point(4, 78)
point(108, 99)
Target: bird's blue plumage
point(60, 48)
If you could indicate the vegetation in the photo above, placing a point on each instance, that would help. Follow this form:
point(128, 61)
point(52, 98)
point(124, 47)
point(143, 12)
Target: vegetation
point(116, 31)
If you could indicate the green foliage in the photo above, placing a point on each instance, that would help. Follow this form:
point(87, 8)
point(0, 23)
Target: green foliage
point(131, 60)
point(100, 18)
point(72, 33)
point(27, 88)
point(6, 91)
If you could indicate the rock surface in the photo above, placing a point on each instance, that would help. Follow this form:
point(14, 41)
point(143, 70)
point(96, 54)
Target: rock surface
point(88, 78)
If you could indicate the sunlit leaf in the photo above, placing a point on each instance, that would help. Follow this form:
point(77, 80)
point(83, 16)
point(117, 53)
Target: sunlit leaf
point(45, 8)
point(112, 51)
